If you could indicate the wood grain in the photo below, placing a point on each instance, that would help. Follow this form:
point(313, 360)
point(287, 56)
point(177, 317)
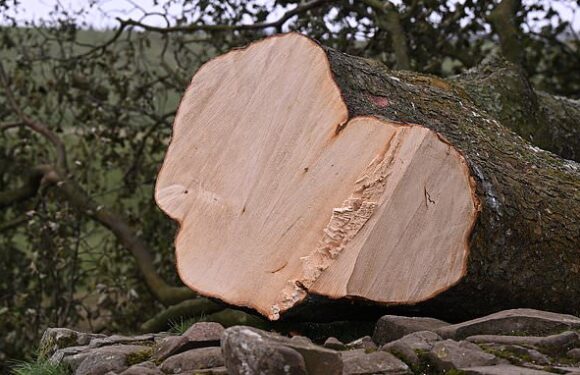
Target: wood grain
point(278, 193)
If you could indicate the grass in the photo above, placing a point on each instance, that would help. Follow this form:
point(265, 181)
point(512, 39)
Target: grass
point(40, 367)
point(181, 325)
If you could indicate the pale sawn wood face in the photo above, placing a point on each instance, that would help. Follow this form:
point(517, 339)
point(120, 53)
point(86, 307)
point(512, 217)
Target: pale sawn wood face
point(279, 193)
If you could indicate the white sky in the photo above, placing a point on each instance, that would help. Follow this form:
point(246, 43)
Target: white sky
point(102, 14)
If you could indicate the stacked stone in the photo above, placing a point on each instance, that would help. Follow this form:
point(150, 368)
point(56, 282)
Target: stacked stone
point(511, 342)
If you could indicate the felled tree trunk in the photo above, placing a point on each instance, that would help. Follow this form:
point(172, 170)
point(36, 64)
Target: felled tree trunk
point(296, 170)
point(547, 121)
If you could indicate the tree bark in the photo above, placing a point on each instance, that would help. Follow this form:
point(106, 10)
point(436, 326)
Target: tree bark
point(503, 90)
point(522, 250)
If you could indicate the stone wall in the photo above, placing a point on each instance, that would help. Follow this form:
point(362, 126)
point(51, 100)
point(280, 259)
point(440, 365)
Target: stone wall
point(521, 341)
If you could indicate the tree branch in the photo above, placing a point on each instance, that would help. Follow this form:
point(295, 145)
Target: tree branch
point(256, 26)
point(9, 125)
point(391, 22)
point(86, 205)
point(35, 126)
point(28, 190)
point(502, 18)
point(124, 24)
point(17, 221)
point(106, 44)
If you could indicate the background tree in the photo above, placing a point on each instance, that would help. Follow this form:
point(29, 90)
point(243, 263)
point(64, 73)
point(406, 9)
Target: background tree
point(85, 117)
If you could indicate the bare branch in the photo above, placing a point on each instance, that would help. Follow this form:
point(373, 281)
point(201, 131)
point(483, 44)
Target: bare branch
point(503, 21)
point(256, 26)
point(9, 125)
point(28, 190)
point(33, 125)
point(86, 205)
point(106, 44)
point(389, 19)
point(17, 221)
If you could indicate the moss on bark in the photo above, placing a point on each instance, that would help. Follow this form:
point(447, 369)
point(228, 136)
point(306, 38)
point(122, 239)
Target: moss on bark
point(503, 91)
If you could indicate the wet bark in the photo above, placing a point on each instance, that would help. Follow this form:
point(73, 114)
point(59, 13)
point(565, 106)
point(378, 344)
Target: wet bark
point(524, 248)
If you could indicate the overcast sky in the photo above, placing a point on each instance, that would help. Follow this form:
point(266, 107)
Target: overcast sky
point(102, 15)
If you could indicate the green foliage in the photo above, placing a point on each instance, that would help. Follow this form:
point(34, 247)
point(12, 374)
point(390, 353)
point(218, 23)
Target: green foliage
point(40, 367)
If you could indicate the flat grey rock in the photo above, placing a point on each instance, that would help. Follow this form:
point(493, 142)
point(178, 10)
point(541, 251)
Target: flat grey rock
point(502, 370)
point(407, 346)
point(248, 350)
point(574, 353)
point(405, 353)
point(422, 340)
point(448, 354)
point(528, 322)
point(199, 335)
point(148, 339)
point(301, 340)
point(392, 327)
point(195, 359)
point(559, 343)
point(169, 346)
point(205, 333)
point(568, 370)
point(145, 368)
point(365, 342)
point(271, 359)
point(103, 360)
point(361, 363)
point(334, 343)
point(61, 354)
point(54, 339)
point(518, 354)
point(208, 371)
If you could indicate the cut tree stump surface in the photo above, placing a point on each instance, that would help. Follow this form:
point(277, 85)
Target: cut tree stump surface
point(279, 193)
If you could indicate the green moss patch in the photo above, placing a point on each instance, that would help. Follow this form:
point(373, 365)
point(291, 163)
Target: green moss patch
point(140, 356)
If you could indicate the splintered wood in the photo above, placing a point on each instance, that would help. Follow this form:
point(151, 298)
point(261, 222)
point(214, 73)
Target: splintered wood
point(279, 194)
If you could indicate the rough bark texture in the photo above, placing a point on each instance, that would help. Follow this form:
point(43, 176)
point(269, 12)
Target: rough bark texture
point(524, 249)
point(547, 121)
